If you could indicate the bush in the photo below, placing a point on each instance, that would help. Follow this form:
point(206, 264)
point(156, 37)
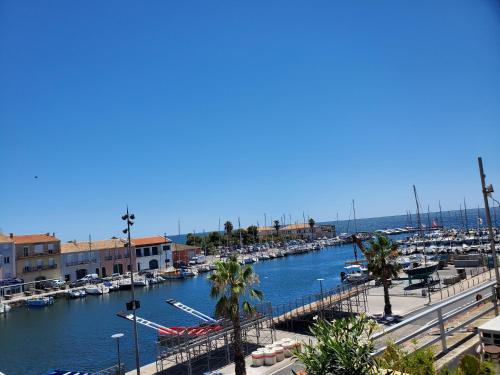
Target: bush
point(344, 347)
point(419, 362)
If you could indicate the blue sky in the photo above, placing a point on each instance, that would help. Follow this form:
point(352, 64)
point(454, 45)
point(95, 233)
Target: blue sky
point(197, 110)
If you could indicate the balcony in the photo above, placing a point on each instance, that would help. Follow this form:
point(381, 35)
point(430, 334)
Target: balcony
point(36, 255)
point(118, 257)
point(40, 268)
point(109, 257)
point(78, 262)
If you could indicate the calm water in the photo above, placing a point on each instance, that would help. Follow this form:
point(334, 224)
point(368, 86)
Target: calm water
point(75, 334)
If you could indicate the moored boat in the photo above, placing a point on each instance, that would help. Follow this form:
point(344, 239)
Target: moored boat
point(39, 301)
point(4, 308)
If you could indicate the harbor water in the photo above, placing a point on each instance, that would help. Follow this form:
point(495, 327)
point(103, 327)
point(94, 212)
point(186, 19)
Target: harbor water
point(75, 334)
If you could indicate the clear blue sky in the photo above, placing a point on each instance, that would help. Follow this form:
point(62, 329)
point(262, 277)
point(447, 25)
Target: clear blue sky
point(193, 111)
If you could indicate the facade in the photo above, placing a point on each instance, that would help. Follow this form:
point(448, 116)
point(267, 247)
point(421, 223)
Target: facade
point(37, 256)
point(182, 254)
point(152, 253)
point(298, 231)
point(77, 260)
point(113, 256)
point(305, 231)
point(7, 258)
point(266, 231)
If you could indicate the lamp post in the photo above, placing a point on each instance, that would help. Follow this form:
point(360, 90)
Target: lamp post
point(117, 337)
point(321, 289)
point(129, 219)
point(487, 190)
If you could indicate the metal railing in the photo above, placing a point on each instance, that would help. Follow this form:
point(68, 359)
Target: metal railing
point(444, 312)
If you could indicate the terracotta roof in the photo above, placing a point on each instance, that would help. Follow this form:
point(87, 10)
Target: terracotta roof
point(5, 238)
point(71, 247)
point(34, 238)
point(180, 247)
point(296, 226)
point(154, 240)
point(265, 229)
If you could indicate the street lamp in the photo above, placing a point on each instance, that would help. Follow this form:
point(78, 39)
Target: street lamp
point(133, 305)
point(117, 337)
point(487, 191)
point(321, 288)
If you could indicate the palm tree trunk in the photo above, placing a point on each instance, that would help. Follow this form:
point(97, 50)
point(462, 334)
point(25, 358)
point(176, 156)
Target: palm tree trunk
point(387, 301)
point(239, 356)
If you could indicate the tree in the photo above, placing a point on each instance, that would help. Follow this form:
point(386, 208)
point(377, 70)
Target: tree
point(344, 347)
point(231, 282)
point(277, 226)
point(312, 223)
point(228, 228)
point(382, 263)
point(253, 233)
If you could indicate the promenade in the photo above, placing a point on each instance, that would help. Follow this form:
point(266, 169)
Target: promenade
point(404, 304)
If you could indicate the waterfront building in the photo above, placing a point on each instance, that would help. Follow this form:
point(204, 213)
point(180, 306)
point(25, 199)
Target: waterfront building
point(78, 259)
point(103, 257)
point(152, 253)
point(7, 258)
point(37, 256)
point(305, 231)
point(182, 254)
point(265, 231)
point(113, 256)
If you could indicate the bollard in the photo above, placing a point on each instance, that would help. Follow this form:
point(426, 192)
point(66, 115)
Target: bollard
point(442, 331)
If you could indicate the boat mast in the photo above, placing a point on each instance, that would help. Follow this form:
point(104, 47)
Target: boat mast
point(441, 215)
point(355, 232)
point(419, 223)
point(465, 214)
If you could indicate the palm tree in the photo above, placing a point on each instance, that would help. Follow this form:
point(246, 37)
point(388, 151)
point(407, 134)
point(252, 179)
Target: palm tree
point(277, 226)
point(230, 282)
point(311, 225)
point(228, 228)
point(382, 255)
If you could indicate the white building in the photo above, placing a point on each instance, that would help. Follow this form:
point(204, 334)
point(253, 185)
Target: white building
point(7, 258)
point(152, 253)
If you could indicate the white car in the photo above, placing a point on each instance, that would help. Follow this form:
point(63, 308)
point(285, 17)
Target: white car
point(57, 283)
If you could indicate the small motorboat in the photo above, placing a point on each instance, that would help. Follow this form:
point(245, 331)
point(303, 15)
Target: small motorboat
point(354, 273)
point(141, 282)
point(96, 289)
point(76, 293)
point(4, 308)
point(111, 286)
point(39, 301)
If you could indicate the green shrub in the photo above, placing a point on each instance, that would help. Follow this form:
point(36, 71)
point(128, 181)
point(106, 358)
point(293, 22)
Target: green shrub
point(419, 362)
point(344, 347)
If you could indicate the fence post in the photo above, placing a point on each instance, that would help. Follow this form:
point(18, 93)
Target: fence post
point(442, 331)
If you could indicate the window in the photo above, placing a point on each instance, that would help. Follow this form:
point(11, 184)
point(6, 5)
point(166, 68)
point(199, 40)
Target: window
point(51, 248)
point(146, 252)
point(154, 250)
point(51, 262)
point(166, 247)
point(138, 253)
point(39, 249)
point(67, 277)
point(25, 251)
point(6, 260)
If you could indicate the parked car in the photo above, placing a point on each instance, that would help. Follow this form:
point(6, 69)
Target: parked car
point(90, 277)
point(56, 283)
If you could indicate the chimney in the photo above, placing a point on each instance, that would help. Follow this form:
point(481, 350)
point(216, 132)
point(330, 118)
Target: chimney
point(11, 235)
point(48, 234)
point(53, 234)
